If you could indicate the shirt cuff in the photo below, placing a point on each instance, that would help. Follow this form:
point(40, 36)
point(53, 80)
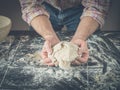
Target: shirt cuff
point(32, 13)
point(97, 16)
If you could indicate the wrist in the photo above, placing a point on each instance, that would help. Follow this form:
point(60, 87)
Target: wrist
point(83, 38)
point(52, 38)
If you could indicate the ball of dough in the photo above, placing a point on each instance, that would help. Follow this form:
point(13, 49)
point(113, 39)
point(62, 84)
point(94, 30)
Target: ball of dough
point(63, 54)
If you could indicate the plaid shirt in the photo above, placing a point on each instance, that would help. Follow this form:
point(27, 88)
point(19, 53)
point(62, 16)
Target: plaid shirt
point(97, 9)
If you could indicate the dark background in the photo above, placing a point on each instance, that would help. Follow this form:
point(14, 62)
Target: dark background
point(11, 9)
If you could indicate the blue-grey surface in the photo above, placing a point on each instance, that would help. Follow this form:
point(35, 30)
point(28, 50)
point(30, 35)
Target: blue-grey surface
point(19, 72)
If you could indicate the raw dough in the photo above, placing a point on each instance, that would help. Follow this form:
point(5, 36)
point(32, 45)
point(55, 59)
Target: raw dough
point(63, 54)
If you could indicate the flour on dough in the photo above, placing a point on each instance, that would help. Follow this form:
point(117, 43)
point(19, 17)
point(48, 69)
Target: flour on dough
point(63, 54)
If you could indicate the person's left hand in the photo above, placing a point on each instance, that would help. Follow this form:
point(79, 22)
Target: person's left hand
point(83, 51)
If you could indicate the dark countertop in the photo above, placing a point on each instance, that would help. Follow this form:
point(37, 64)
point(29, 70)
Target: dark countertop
point(19, 72)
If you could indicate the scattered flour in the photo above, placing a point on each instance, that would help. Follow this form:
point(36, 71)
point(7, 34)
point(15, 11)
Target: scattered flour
point(63, 54)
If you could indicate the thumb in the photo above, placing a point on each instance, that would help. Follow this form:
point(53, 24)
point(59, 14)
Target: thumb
point(48, 47)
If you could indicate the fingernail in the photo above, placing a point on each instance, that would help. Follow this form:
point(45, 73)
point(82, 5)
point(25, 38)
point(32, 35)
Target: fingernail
point(80, 55)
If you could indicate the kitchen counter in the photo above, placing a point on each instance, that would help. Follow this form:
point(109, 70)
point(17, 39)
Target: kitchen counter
point(19, 72)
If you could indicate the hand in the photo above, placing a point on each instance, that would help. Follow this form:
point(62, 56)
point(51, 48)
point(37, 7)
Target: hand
point(47, 49)
point(83, 51)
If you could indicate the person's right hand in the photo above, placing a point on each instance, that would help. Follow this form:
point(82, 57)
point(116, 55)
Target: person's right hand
point(47, 49)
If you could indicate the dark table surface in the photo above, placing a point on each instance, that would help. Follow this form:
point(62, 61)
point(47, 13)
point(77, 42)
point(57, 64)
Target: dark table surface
point(19, 72)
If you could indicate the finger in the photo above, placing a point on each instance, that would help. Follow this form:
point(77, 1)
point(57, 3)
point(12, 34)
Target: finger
point(48, 47)
point(51, 64)
point(84, 57)
point(43, 49)
point(80, 51)
point(44, 54)
point(47, 60)
point(76, 62)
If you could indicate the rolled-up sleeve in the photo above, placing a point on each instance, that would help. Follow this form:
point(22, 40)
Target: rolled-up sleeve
point(97, 9)
point(32, 8)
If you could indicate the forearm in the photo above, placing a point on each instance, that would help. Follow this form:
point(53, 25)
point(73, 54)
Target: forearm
point(85, 28)
point(42, 26)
